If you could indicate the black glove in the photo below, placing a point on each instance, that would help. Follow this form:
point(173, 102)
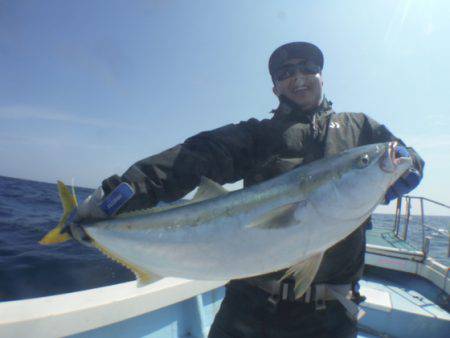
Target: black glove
point(142, 199)
point(407, 182)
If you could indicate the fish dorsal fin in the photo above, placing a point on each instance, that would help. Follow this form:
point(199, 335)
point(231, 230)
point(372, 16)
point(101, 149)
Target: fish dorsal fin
point(281, 217)
point(304, 273)
point(208, 189)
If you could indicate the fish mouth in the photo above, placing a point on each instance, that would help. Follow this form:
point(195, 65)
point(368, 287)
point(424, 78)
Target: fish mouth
point(391, 160)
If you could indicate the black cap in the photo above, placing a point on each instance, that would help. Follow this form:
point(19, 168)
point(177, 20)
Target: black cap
point(304, 50)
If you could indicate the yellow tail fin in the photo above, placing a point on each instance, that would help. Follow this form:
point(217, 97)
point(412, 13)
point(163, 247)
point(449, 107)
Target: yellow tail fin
point(69, 203)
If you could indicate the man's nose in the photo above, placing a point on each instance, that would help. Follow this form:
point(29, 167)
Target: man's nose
point(299, 77)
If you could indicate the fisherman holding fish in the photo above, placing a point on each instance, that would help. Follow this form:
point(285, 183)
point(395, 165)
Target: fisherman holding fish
point(304, 128)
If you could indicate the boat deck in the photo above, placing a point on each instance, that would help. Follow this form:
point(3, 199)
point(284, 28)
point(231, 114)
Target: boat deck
point(402, 305)
point(386, 238)
point(400, 301)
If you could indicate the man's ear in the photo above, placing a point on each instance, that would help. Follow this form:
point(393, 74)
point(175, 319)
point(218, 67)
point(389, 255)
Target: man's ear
point(275, 91)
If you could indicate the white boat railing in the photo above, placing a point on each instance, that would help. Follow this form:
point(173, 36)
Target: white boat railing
point(426, 240)
point(81, 311)
point(419, 261)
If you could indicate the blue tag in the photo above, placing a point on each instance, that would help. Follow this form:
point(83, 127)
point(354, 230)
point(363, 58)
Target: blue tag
point(117, 198)
point(402, 152)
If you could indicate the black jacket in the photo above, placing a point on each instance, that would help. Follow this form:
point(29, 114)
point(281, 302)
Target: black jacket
point(255, 151)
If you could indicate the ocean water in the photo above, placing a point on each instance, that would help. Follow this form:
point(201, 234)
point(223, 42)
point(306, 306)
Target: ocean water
point(29, 209)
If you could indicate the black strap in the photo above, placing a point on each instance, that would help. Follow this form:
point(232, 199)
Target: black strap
point(287, 292)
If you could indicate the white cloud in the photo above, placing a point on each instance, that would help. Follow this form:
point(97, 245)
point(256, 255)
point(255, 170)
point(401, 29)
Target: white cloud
point(20, 112)
point(13, 139)
point(429, 29)
point(429, 142)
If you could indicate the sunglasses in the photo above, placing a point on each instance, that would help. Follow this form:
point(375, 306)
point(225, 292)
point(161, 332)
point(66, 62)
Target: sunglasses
point(286, 71)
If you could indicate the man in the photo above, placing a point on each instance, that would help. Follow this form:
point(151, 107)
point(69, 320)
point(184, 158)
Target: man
point(303, 128)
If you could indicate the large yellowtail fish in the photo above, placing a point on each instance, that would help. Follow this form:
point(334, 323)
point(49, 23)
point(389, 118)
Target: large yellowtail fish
point(285, 222)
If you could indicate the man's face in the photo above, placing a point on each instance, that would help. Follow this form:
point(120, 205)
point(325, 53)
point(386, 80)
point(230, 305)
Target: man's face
point(302, 88)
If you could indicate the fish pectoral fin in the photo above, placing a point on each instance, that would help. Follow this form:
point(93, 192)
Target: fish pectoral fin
point(69, 203)
point(281, 217)
point(208, 189)
point(304, 273)
point(142, 277)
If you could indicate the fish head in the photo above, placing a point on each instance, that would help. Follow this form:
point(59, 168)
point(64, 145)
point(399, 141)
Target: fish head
point(357, 181)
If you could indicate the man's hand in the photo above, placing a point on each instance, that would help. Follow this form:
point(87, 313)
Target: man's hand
point(407, 182)
point(98, 206)
point(143, 197)
point(90, 208)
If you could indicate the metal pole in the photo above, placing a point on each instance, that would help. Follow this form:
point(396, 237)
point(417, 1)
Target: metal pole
point(426, 247)
point(435, 202)
point(426, 239)
point(397, 216)
point(448, 248)
point(422, 220)
point(408, 210)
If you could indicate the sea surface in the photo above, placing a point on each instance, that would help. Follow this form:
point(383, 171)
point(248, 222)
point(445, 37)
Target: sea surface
point(29, 209)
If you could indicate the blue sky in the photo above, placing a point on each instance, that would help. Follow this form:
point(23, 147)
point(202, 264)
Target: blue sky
point(89, 87)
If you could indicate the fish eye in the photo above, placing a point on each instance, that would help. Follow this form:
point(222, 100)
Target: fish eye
point(362, 161)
